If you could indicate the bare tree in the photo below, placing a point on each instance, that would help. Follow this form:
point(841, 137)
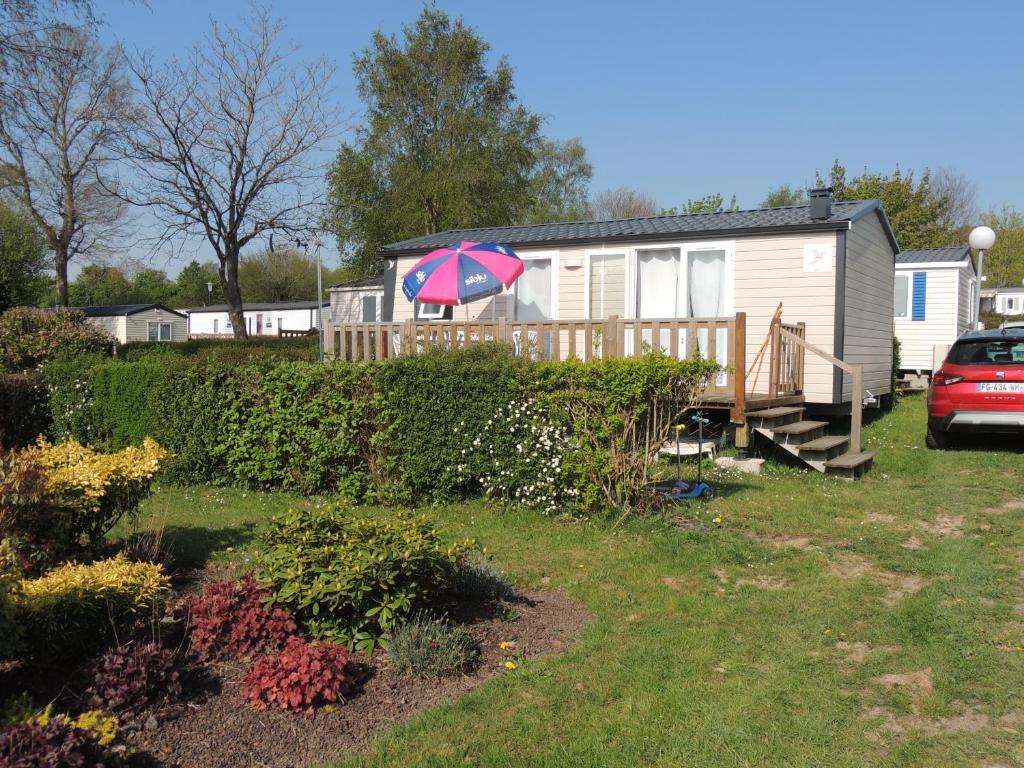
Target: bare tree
point(65, 103)
point(227, 150)
point(961, 195)
point(21, 21)
point(622, 203)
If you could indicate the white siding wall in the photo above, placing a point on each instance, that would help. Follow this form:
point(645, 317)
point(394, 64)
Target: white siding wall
point(347, 303)
point(201, 323)
point(113, 325)
point(137, 327)
point(967, 301)
point(919, 337)
point(870, 269)
point(1003, 300)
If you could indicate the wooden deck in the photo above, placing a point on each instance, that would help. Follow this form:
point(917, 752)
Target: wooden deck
point(756, 401)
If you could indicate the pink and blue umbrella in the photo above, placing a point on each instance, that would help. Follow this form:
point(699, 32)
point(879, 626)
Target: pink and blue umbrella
point(462, 273)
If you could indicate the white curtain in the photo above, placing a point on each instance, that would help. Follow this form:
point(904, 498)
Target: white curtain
point(607, 286)
point(706, 281)
point(533, 291)
point(658, 290)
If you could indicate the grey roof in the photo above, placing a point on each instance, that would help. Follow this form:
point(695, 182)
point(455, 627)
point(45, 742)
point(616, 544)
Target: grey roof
point(934, 255)
point(119, 310)
point(1008, 289)
point(794, 218)
point(268, 306)
point(374, 281)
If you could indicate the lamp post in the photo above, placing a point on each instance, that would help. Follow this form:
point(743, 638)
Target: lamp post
point(981, 240)
point(209, 292)
point(304, 245)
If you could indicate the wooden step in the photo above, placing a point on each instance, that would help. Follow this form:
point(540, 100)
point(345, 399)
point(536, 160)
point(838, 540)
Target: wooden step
point(769, 418)
point(850, 465)
point(824, 448)
point(799, 432)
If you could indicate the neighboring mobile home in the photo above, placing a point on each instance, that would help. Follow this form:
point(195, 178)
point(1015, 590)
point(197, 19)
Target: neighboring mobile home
point(935, 300)
point(359, 301)
point(1004, 301)
point(139, 322)
point(830, 264)
point(261, 319)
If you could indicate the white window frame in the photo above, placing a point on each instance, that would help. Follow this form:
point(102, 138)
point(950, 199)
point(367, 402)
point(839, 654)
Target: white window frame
point(685, 247)
point(554, 256)
point(438, 315)
point(158, 324)
point(588, 266)
point(910, 297)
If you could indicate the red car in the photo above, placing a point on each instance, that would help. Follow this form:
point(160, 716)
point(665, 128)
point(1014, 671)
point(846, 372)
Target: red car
point(980, 387)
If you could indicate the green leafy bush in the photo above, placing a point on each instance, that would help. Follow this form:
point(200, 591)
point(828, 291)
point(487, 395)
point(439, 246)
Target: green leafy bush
point(10, 590)
point(428, 647)
point(77, 607)
point(299, 427)
point(225, 350)
point(479, 580)
point(421, 399)
point(122, 402)
point(68, 381)
point(30, 337)
point(24, 411)
point(352, 577)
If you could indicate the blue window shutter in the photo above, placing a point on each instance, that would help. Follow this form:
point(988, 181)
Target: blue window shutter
point(919, 296)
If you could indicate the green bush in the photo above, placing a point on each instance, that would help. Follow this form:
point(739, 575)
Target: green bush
point(30, 337)
point(352, 577)
point(299, 427)
point(24, 412)
point(421, 399)
point(68, 381)
point(75, 607)
point(429, 647)
point(225, 350)
point(10, 589)
point(122, 402)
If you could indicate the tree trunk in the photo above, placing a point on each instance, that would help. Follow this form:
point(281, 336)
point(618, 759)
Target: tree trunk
point(60, 268)
point(232, 292)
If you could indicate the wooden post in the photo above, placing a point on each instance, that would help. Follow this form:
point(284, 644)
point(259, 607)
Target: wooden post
point(501, 334)
point(408, 337)
point(856, 408)
point(610, 338)
point(800, 352)
point(775, 367)
point(739, 382)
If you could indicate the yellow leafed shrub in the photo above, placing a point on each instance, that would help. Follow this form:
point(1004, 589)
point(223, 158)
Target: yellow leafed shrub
point(66, 494)
point(76, 606)
point(96, 721)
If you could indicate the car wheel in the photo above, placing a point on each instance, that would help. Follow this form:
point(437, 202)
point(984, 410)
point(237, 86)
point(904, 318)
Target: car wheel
point(707, 494)
point(936, 439)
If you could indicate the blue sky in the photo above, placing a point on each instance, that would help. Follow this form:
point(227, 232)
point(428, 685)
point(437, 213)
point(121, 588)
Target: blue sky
point(681, 99)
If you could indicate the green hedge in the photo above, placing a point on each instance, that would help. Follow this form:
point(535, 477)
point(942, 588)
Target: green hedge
point(429, 428)
point(227, 350)
point(24, 414)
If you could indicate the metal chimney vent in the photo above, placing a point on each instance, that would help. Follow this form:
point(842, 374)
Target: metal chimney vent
point(821, 202)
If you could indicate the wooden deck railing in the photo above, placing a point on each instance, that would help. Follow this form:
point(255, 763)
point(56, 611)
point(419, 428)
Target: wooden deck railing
point(787, 359)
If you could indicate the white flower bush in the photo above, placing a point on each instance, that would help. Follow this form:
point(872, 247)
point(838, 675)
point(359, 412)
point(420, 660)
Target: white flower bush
point(519, 457)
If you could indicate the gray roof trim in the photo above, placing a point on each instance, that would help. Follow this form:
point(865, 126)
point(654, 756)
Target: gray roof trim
point(124, 310)
point(787, 220)
point(953, 255)
point(376, 281)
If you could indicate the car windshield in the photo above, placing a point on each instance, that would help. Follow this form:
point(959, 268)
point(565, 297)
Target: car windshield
point(991, 352)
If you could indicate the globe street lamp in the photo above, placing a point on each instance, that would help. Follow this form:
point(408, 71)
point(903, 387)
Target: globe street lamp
point(981, 239)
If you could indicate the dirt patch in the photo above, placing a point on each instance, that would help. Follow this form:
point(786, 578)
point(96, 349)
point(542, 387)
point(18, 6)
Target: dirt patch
point(856, 653)
point(764, 581)
point(848, 565)
point(802, 543)
point(879, 517)
point(913, 543)
point(970, 720)
point(679, 583)
point(219, 729)
point(1010, 506)
point(948, 526)
point(917, 685)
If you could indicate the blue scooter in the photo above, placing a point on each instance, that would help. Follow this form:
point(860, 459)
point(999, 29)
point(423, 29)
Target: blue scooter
point(681, 489)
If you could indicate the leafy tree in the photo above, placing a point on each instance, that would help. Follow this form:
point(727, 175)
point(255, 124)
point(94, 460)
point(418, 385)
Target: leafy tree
point(65, 103)
point(961, 196)
point(783, 196)
point(227, 150)
point(915, 209)
point(708, 204)
point(1004, 263)
point(446, 144)
point(278, 276)
point(622, 203)
point(190, 287)
point(559, 182)
point(99, 286)
point(23, 261)
point(151, 286)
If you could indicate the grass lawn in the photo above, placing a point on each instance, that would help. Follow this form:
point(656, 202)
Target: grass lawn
point(823, 623)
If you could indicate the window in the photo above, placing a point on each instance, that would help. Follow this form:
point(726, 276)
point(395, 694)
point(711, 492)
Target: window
point(606, 285)
point(535, 289)
point(270, 322)
point(999, 352)
point(228, 325)
point(1009, 302)
point(369, 309)
point(159, 331)
point(901, 297)
point(667, 289)
point(216, 323)
point(705, 283)
point(433, 311)
point(659, 283)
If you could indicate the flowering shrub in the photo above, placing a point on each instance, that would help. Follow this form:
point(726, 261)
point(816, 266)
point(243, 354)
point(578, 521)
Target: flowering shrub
point(428, 647)
point(300, 677)
point(75, 606)
point(29, 337)
point(353, 577)
point(83, 493)
point(230, 621)
point(57, 743)
point(520, 457)
point(130, 677)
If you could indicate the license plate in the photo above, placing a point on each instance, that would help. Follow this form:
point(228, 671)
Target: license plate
point(1001, 386)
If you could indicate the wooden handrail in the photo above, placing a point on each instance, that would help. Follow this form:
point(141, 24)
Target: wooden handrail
point(857, 372)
